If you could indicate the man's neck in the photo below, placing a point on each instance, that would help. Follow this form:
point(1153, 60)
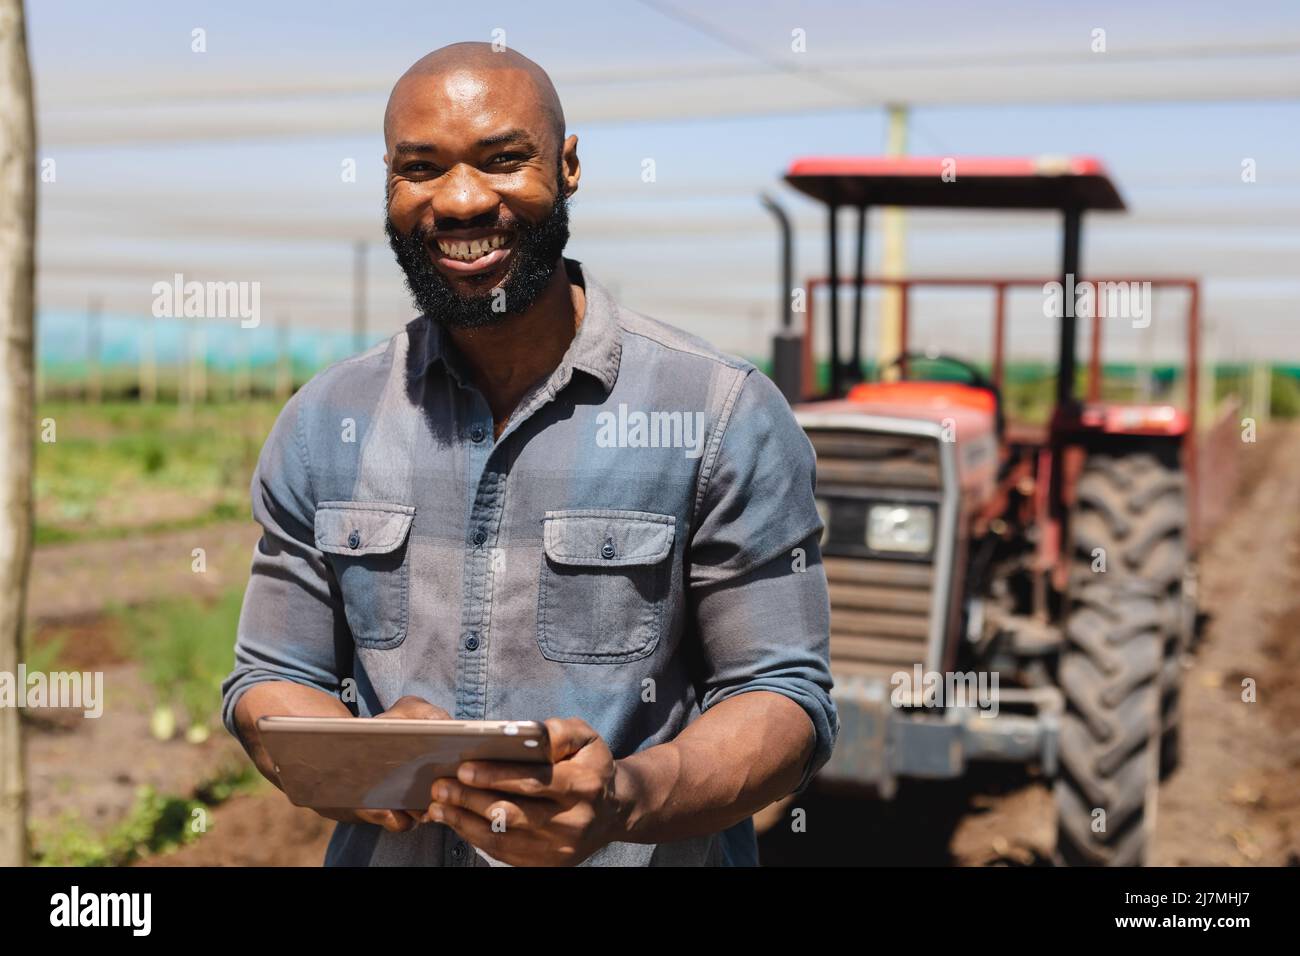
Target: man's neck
point(511, 357)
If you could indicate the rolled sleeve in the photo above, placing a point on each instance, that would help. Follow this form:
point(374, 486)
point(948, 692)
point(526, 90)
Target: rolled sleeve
point(291, 627)
point(758, 585)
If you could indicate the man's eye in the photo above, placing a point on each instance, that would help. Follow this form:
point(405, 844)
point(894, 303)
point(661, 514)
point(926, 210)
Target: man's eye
point(503, 159)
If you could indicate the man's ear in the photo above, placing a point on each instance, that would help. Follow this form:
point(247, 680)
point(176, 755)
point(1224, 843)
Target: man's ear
point(572, 167)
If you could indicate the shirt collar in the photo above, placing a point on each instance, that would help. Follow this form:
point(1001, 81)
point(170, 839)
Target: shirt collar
point(596, 348)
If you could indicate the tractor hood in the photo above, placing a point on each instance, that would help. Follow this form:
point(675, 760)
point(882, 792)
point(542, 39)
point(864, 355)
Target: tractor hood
point(953, 414)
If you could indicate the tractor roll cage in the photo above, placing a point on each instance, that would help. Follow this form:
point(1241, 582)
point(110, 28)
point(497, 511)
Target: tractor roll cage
point(1000, 285)
point(1069, 185)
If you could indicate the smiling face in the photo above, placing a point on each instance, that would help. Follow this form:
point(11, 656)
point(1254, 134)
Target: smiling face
point(478, 177)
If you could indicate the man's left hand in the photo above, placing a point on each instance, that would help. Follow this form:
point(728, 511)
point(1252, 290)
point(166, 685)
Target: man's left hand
point(555, 814)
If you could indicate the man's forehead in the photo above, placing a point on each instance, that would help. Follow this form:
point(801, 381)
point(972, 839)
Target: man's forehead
point(464, 99)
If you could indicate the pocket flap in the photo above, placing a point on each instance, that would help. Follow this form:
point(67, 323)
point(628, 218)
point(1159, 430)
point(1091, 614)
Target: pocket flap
point(361, 527)
point(609, 539)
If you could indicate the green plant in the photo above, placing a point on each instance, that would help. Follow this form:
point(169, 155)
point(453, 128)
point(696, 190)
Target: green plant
point(185, 647)
point(1284, 394)
point(156, 823)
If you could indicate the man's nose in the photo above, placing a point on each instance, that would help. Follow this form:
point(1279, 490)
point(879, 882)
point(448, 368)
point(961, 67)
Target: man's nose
point(462, 193)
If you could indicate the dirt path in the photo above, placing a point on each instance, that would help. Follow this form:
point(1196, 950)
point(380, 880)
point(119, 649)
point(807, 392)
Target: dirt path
point(1235, 799)
point(80, 579)
point(256, 829)
point(92, 769)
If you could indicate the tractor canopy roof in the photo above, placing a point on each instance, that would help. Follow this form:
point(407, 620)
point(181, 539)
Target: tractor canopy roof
point(1044, 182)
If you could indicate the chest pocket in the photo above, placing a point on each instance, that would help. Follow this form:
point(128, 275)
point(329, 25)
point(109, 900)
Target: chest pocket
point(604, 585)
point(366, 545)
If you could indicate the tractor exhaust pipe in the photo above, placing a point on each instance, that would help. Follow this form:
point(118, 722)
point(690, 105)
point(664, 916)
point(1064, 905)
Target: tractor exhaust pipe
point(787, 343)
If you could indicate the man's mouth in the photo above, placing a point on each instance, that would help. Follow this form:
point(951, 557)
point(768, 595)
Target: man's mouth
point(467, 255)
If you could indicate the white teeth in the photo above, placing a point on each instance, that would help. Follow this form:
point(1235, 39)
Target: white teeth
point(469, 251)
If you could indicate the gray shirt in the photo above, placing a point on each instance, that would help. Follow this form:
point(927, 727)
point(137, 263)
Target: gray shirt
point(639, 544)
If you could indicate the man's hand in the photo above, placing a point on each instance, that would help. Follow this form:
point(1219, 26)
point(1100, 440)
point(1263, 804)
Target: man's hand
point(537, 814)
point(407, 708)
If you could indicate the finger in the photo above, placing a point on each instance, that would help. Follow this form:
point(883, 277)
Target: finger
point(499, 810)
point(411, 707)
point(393, 821)
point(568, 735)
point(516, 847)
point(562, 783)
point(528, 779)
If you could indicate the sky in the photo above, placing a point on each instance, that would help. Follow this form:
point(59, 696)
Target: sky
point(226, 164)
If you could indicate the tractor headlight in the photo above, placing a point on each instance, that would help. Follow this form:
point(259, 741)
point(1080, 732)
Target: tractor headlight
point(904, 528)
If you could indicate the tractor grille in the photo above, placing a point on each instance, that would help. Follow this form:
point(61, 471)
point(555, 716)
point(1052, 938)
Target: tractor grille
point(880, 607)
point(880, 615)
point(873, 459)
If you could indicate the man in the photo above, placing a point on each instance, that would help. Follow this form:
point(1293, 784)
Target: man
point(532, 503)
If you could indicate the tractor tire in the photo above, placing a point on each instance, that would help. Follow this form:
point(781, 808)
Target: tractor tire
point(1120, 668)
point(1134, 507)
point(1109, 676)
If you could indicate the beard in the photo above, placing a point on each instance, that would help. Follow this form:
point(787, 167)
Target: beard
point(533, 261)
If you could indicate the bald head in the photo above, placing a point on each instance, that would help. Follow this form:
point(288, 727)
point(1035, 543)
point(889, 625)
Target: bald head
point(467, 69)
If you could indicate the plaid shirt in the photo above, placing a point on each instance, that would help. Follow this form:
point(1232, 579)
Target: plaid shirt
point(639, 544)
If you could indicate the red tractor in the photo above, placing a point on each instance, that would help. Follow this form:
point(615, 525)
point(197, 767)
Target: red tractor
point(999, 591)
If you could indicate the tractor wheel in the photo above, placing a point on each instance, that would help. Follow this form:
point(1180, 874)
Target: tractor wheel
point(1109, 675)
point(1119, 668)
point(1134, 507)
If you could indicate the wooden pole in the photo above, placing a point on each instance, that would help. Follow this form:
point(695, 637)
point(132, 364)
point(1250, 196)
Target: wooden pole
point(17, 414)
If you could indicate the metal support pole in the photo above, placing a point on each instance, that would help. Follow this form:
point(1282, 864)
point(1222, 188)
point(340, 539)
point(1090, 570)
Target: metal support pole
point(837, 368)
point(1069, 289)
point(893, 221)
point(859, 274)
point(359, 296)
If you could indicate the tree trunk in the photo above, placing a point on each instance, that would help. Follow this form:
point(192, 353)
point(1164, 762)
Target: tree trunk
point(17, 424)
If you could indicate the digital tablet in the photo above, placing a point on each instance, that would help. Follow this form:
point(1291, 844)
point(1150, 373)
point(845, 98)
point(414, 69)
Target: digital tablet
point(382, 763)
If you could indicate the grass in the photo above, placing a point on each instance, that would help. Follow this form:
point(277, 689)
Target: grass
point(185, 650)
point(123, 468)
point(183, 646)
point(157, 823)
point(44, 656)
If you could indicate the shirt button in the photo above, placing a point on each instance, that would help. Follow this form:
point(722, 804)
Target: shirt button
point(471, 642)
point(354, 539)
point(458, 852)
point(479, 536)
point(607, 551)
point(477, 434)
